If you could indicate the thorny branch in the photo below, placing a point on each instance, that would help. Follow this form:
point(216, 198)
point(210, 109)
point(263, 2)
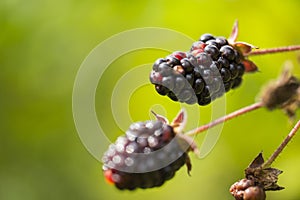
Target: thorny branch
point(282, 145)
point(274, 50)
point(225, 118)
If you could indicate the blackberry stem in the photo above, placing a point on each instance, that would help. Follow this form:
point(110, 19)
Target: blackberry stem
point(288, 138)
point(274, 50)
point(225, 118)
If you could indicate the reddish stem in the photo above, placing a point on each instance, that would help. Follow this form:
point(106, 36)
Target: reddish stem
point(225, 118)
point(274, 50)
point(288, 138)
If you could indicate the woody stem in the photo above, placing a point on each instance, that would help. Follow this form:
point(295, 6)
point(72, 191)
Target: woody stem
point(274, 50)
point(225, 118)
point(282, 145)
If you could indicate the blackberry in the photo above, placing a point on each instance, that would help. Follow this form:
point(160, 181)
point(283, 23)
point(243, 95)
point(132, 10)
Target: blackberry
point(147, 155)
point(246, 189)
point(212, 61)
point(258, 179)
point(208, 64)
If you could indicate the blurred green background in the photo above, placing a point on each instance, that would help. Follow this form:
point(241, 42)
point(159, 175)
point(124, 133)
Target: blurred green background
point(42, 45)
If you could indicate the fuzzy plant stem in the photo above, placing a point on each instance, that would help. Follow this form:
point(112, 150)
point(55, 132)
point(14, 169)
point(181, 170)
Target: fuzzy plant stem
point(274, 50)
point(225, 118)
point(288, 138)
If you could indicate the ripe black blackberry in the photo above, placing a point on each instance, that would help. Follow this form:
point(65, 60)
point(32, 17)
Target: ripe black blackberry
point(149, 154)
point(213, 66)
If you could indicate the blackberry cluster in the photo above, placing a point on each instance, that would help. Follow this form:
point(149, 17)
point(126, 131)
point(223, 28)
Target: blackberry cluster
point(211, 68)
point(147, 156)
